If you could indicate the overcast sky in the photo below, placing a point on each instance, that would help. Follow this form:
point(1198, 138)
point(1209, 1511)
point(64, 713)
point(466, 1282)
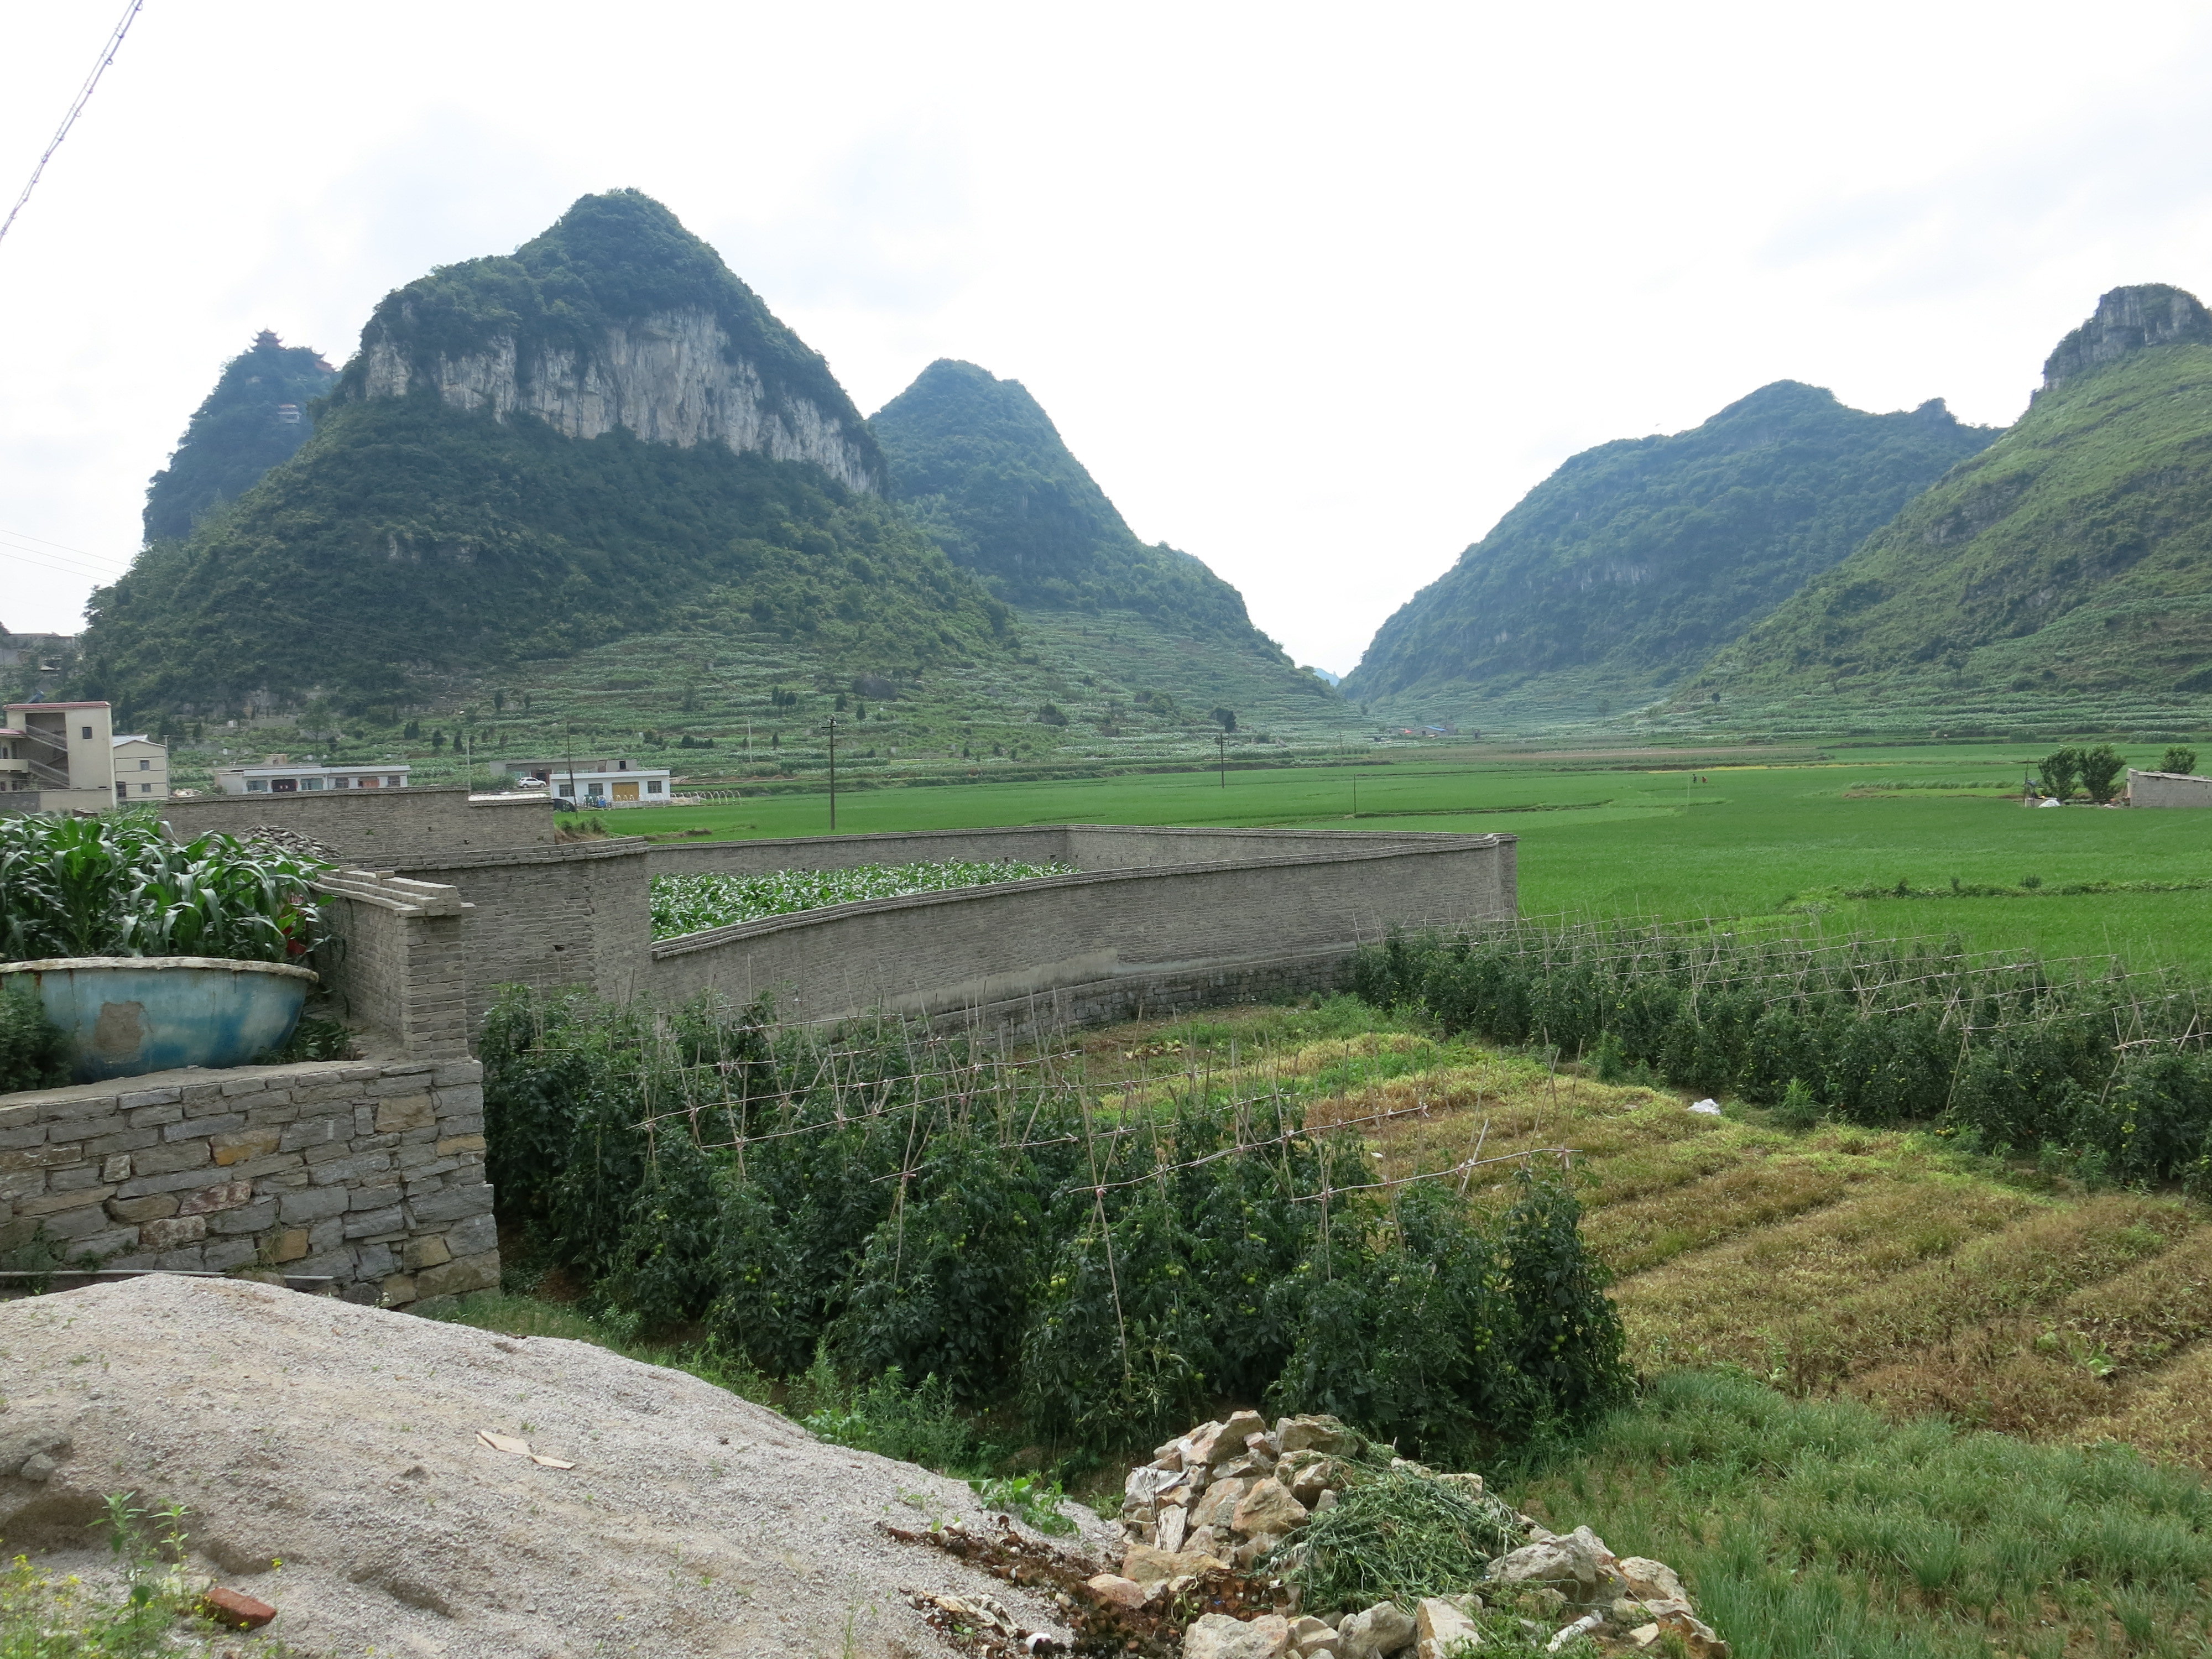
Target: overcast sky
point(1315, 293)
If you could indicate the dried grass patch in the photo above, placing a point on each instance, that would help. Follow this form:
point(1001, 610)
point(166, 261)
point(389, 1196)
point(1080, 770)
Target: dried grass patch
point(2089, 1357)
point(1737, 1304)
point(2039, 1260)
point(2167, 1416)
point(1700, 1211)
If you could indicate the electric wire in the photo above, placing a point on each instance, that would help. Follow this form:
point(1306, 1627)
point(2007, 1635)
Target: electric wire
point(84, 96)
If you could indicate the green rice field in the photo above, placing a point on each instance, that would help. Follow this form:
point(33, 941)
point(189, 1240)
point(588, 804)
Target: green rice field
point(1729, 833)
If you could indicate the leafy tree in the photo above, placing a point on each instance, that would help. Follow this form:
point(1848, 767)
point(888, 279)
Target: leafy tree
point(2101, 770)
point(2178, 758)
point(2059, 771)
point(1223, 718)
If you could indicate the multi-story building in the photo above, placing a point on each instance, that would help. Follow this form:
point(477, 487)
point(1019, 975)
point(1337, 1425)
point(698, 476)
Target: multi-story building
point(59, 757)
point(142, 769)
point(279, 775)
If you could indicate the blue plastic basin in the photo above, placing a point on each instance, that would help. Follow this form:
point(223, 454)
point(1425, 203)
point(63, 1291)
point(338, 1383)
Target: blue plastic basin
point(130, 1015)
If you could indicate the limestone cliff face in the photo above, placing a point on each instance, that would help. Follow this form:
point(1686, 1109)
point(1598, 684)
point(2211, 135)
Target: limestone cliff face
point(672, 377)
point(2127, 319)
point(616, 316)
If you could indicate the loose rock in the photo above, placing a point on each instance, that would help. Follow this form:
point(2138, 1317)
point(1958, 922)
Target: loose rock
point(1217, 1636)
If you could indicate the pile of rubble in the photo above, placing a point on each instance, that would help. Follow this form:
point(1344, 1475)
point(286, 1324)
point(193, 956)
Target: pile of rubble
point(1235, 1494)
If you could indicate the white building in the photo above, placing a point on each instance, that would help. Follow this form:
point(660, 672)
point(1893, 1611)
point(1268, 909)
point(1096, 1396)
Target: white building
point(280, 776)
point(142, 769)
point(596, 782)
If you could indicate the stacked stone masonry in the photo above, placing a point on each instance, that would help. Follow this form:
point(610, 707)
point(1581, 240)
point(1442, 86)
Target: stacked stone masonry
point(369, 1175)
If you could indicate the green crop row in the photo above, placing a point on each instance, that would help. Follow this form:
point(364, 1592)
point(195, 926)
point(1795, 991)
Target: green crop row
point(692, 904)
point(1103, 1276)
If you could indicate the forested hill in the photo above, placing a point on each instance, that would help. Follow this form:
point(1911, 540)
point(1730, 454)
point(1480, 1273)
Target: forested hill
point(979, 463)
point(1620, 575)
point(603, 435)
point(260, 412)
point(2064, 572)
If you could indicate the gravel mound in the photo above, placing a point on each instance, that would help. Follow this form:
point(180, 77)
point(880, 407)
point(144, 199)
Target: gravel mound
point(344, 1442)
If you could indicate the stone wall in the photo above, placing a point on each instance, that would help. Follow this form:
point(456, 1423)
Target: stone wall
point(1107, 943)
point(2167, 789)
point(368, 1174)
point(1086, 846)
point(377, 827)
point(578, 913)
point(397, 961)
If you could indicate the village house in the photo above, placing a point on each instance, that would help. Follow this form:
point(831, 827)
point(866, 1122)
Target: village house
point(279, 775)
point(606, 782)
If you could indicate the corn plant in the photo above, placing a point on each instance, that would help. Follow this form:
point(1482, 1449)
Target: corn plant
point(119, 886)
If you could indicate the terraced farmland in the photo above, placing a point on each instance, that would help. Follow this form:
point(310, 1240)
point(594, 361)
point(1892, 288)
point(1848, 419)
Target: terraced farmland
point(1840, 1261)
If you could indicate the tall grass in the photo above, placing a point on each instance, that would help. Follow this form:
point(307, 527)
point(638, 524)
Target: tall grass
point(1818, 1530)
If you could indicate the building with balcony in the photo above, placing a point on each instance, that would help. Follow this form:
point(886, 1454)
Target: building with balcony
point(59, 757)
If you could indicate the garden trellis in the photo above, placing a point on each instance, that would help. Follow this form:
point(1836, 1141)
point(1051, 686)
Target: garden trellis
point(2082, 1058)
point(1113, 1258)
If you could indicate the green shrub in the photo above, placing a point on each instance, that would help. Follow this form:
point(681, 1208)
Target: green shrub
point(2178, 758)
point(2059, 771)
point(34, 1052)
point(118, 886)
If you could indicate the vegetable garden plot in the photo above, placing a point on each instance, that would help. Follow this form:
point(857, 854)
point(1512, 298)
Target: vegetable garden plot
point(692, 904)
point(908, 1202)
point(2108, 1069)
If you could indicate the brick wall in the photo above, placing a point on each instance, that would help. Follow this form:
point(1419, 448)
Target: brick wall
point(368, 1174)
point(376, 827)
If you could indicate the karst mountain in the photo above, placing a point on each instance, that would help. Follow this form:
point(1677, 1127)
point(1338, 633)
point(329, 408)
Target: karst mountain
point(261, 410)
point(1619, 576)
point(2066, 570)
point(602, 458)
point(604, 432)
point(980, 465)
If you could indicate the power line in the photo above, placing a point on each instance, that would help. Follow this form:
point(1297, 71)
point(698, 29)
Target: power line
point(84, 96)
point(38, 548)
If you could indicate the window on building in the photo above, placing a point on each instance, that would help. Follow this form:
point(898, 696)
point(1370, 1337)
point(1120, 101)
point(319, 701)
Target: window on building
point(257, 786)
point(392, 783)
point(84, 732)
point(653, 785)
point(311, 783)
point(567, 792)
point(145, 766)
point(145, 788)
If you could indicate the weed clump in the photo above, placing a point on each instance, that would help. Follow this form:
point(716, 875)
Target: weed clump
point(1398, 1536)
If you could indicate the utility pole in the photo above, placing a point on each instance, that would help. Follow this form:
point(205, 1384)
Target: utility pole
point(568, 747)
point(833, 775)
point(469, 762)
point(1355, 799)
point(1221, 745)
